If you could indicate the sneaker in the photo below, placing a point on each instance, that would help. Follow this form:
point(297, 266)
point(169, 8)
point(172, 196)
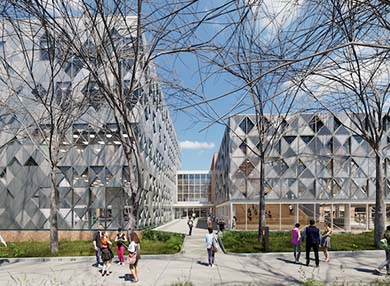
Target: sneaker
point(212, 266)
point(99, 266)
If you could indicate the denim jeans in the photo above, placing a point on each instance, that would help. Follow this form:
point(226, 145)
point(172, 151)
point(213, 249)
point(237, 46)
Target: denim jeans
point(98, 261)
point(211, 256)
point(386, 262)
point(297, 251)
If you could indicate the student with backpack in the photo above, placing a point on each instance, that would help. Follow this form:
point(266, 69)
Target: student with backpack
point(211, 246)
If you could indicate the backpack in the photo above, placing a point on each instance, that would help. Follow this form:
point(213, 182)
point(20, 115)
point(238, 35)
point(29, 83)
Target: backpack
point(214, 247)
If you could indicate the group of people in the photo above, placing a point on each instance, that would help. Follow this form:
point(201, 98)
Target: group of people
point(314, 239)
point(104, 254)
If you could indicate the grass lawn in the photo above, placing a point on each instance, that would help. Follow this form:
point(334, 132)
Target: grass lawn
point(153, 242)
point(246, 241)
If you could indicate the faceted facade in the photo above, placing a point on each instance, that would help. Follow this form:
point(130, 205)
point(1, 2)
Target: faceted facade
point(92, 172)
point(316, 168)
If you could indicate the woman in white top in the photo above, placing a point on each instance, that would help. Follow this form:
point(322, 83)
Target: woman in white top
point(211, 241)
point(134, 249)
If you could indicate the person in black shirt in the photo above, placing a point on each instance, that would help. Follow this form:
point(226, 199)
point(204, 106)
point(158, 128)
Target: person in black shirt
point(98, 245)
point(120, 240)
point(190, 224)
point(313, 239)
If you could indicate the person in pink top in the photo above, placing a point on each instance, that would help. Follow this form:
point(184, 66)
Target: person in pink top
point(296, 242)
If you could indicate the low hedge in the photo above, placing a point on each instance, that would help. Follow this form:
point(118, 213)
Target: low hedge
point(152, 242)
point(279, 241)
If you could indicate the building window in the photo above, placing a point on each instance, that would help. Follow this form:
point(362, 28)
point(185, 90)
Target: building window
point(246, 125)
point(243, 146)
point(46, 45)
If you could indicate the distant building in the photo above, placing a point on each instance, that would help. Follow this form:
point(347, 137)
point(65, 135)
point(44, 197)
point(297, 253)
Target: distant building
point(193, 194)
point(317, 168)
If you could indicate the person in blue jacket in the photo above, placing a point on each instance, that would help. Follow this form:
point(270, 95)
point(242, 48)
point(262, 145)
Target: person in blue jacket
point(313, 240)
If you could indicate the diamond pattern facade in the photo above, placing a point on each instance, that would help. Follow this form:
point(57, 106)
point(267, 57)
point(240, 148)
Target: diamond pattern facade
point(316, 158)
point(92, 171)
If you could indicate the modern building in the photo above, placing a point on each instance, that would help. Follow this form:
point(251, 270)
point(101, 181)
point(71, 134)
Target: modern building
point(194, 194)
point(92, 170)
point(316, 168)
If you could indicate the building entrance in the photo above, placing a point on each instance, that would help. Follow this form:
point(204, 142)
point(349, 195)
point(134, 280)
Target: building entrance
point(185, 212)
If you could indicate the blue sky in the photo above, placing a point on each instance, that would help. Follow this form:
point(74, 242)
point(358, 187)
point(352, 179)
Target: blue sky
point(198, 137)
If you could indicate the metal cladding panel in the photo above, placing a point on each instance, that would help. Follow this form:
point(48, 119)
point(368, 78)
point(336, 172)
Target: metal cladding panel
point(314, 158)
point(92, 170)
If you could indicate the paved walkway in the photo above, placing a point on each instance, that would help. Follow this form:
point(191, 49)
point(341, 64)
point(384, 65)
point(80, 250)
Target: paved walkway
point(191, 265)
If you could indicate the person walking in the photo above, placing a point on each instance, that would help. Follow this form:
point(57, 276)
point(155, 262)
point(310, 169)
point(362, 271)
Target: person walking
point(120, 240)
point(386, 237)
point(325, 242)
point(107, 254)
point(190, 224)
point(313, 239)
point(134, 255)
point(97, 245)
point(234, 222)
point(211, 246)
point(296, 241)
point(209, 221)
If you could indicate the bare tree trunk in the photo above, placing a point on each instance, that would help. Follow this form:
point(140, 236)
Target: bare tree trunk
point(262, 222)
point(53, 214)
point(380, 207)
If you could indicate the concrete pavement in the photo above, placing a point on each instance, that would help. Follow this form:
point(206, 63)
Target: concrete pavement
point(350, 268)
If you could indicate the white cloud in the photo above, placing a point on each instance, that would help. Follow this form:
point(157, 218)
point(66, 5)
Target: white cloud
point(196, 145)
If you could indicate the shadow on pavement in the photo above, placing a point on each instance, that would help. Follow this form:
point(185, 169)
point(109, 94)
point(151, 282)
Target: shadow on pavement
point(288, 261)
point(202, 263)
point(365, 270)
point(2, 261)
point(126, 277)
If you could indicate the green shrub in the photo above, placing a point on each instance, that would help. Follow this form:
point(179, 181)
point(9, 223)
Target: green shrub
point(279, 241)
point(153, 242)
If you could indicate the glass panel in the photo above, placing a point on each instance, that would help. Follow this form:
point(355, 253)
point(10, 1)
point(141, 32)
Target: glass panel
point(340, 217)
point(288, 216)
point(239, 210)
point(306, 212)
point(252, 216)
point(272, 216)
point(358, 217)
point(325, 214)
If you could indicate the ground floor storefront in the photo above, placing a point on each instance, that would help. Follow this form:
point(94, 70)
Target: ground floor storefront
point(343, 216)
point(183, 211)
